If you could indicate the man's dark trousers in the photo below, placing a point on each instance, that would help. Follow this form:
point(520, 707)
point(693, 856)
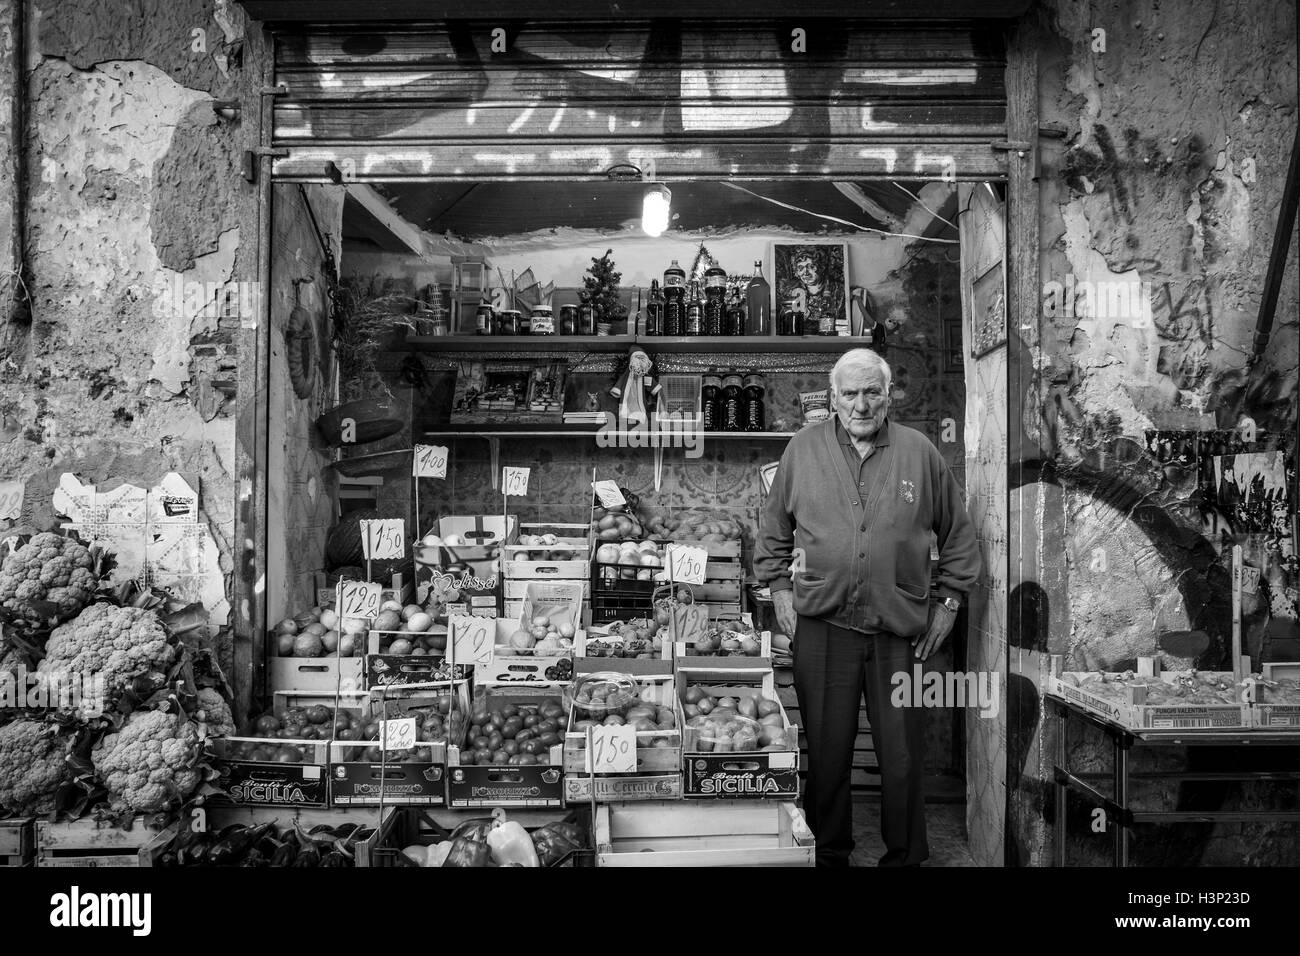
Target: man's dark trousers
point(833, 669)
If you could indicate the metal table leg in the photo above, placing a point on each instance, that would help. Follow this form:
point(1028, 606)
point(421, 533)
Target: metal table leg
point(1062, 759)
point(1122, 744)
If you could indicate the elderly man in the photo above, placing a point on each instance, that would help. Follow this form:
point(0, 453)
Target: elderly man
point(845, 547)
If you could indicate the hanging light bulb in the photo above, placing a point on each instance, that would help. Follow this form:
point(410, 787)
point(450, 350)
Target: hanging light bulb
point(654, 210)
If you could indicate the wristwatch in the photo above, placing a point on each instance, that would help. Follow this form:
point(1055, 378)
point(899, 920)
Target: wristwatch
point(952, 604)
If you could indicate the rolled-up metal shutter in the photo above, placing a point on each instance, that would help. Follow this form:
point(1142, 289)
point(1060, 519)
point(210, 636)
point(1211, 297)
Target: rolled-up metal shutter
point(705, 100)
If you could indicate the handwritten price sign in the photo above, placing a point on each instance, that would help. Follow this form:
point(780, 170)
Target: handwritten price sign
point(611, 749)
point(397, 734)
point(11, 499)
point(514, 481)
point(430, 461)
point(686, 564)
point(609, 495)
point(471, 639)
point(383, 538)
point(359, 598)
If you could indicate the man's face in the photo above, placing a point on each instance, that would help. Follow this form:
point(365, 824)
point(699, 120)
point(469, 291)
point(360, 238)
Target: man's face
point(861, 401)
point(805, 270)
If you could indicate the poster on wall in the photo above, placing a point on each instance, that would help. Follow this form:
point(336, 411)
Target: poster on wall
point(814, 273)
point(1249, 490)
point(988, 311)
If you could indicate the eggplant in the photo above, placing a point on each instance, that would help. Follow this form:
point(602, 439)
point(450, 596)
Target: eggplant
point(286, 854)
point(231, 848)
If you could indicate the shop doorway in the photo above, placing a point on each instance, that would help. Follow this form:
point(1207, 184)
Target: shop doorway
point(927, 268)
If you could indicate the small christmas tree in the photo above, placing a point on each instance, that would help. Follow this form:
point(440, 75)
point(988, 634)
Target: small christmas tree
point(601, 286)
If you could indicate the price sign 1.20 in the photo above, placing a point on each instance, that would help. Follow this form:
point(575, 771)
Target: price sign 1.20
point(611, 749)
point(471, 639)
point(358, 599)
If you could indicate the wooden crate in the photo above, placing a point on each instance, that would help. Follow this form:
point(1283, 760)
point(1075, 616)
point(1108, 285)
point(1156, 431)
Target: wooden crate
point(92, 844)
point(408, 826)
point(725, 833)
point(17, 841)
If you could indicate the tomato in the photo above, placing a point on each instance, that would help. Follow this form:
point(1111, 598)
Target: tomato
point(511, 747)
point(549, 739)
point(497, 719)
point(547, 727)
point(512, 726)
point(527, 760)
point(510, 710)
point(515, 760)
point(531, 720)
point(495, 741)
point(475, 730)
point(526, 734)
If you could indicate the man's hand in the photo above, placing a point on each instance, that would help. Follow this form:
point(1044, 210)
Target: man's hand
point(941, 621)
point(783, 602)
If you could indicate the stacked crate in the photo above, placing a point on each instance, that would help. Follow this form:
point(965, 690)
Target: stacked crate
point(566, 562)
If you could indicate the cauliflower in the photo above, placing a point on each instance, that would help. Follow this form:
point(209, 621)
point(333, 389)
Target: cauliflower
point(113, 644)
point(33, 762)
point(214, 713)
point(48, 568)
point(149, 762)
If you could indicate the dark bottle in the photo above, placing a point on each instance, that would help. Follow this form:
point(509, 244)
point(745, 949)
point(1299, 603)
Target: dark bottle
point(755, 416)
point(735, 313)
point(586, 316)
point(733, 404)
point(674, 299)
point(654, 310)
point(811, 324)
point(715, 301)
point(711, 402)
point(758, 303)
point(694, 312)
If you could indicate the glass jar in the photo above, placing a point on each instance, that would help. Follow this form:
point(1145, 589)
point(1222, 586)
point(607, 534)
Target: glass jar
point(508, 323)
point(711, 402)
point(790, 321)
point(543, 321)
point(733, 404)
point(755, 416)
point(586, 317)
point(568, 320)
point(484, 320)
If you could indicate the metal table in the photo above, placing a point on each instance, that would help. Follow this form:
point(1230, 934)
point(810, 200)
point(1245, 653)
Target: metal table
point(1119, 816)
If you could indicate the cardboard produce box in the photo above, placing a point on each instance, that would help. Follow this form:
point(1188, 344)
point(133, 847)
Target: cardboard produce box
point(535, 784)
point(361, 773)
point(711, 771)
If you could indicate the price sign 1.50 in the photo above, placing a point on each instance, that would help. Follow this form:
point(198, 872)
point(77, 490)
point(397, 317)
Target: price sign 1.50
point(358, 599)
point(383, 539)
point(686, 564)
point(514, 481)
point(611, 749)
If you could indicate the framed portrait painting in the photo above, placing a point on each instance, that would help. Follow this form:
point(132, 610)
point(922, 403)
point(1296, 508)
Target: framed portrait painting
point(817, 274)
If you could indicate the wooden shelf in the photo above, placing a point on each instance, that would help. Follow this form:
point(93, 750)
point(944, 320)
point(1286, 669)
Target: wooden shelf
point(651, 343)
point(517, 343)
point(582, 431)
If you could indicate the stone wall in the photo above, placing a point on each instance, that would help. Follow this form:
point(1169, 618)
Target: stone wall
point(1178, 120)
point(127, 368)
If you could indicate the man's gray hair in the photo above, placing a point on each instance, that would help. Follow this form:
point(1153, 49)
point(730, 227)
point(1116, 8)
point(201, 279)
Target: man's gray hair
point(864, 359)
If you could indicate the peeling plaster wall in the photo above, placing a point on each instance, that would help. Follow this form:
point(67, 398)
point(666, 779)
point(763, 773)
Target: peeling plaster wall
point(133, 198)
point(1169, 177)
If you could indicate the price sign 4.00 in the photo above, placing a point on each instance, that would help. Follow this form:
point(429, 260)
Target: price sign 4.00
point(430, 461)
